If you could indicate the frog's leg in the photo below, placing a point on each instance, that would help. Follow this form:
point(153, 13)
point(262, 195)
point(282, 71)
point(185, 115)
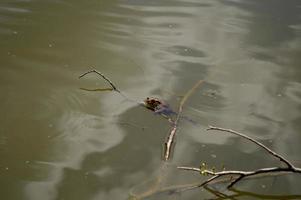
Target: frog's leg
point(162, 110)
point(165, 110)
point(168, 113)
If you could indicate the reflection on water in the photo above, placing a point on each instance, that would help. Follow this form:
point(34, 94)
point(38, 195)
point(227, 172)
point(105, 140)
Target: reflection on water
point(60, 142)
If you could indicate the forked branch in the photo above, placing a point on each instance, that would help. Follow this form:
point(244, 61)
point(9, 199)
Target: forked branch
point(273, 153)
point(237, 176)
point(103, 76)
point(114, 88)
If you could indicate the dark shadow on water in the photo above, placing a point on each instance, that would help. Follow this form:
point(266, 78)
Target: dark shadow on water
point(137, 155)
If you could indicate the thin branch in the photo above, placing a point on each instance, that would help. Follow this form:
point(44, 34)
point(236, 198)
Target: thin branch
point(107, 89)
point(97, 89)
point(236, 180)
point(172, 133)
point(281, 158)
point(239, 194)
point(103, 76)
point(241, 174)
point(173, 189)
point(219, 194)
point(205, 184)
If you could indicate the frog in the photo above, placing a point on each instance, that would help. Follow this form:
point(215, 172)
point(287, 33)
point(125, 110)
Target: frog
point(158, 106)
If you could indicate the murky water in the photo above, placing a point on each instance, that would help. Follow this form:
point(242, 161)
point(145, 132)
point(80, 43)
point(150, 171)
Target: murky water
point(60, 142)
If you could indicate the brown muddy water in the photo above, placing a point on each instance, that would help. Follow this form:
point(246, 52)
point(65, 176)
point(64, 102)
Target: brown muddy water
point(58, 142)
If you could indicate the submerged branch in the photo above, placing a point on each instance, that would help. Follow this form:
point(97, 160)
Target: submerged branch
point(97, 89)
point(281, 158)
point(237, 176)
point(172, 133)
point(114, 88)
point(238, 194)
point(103, 76)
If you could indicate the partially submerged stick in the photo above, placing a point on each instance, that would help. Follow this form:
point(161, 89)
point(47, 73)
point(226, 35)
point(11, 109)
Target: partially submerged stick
point(239, 175)
point(97, 89)
point(172, 133)
point(273, 153)
point(240, 193)
point(114, 88)
point(156, 189)
point(206, 185)
point(103, 76)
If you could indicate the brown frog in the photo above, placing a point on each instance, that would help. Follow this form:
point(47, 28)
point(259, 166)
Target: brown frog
point(158, 106)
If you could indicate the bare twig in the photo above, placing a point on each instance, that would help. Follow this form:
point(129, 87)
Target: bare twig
point(239, 194)
point(103, 76)
point(281, 158)
point(97, 89)
point(206, 184)
point(172, 133)
point(162, 189)
point(114, 88)
point(218, 194)
point(240, 175)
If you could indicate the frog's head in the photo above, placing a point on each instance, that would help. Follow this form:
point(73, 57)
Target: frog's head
point(151, 103)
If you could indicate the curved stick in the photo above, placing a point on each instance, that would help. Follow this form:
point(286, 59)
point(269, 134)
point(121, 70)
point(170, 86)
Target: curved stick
point(103, 76)
point(240, 175)
point(273, 153)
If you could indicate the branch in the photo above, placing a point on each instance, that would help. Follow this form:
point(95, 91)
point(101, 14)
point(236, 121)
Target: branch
point(281, 158)
point(240, 175)
point(103, 76)
point(172, 133)
point(97, 89)
point(176, 189)
point(239, 194)
point(262, 196)
point(219, 194)
point(107, 89)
